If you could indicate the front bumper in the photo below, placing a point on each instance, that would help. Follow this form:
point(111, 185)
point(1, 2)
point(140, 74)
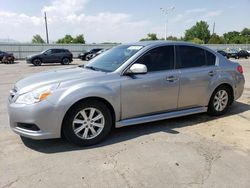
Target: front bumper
point(43, 115)
point(29, 61)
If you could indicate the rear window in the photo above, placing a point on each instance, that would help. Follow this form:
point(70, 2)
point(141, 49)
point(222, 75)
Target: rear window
point(211, 58)
point(65, 50)
point(189, 56)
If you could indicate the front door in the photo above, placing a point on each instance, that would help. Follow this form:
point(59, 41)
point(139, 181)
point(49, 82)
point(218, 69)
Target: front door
point(154, 92)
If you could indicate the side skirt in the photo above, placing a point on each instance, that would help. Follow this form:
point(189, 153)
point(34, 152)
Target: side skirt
point(158, 117)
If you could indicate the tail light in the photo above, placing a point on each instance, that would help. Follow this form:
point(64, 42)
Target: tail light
point(240, 69)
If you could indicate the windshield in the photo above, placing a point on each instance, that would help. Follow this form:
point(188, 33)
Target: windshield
point(112, 59)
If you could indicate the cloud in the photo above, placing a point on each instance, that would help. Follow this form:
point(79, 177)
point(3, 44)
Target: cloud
point(67, 17)
point(65, 7)
point(192, 15)
point(197, 10)
point(212, 14)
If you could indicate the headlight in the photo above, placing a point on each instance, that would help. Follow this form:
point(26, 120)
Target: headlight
point(36, 95)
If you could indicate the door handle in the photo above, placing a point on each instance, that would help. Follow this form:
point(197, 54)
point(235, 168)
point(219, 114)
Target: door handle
point(171, 78)
point(212, 73)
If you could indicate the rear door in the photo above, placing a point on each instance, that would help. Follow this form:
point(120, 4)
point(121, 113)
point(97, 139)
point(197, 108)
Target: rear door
point(57, 55)
point(154, 92)
point(197, 72)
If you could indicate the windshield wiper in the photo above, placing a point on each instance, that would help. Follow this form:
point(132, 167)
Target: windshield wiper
point(96, 69)
point(92, 68)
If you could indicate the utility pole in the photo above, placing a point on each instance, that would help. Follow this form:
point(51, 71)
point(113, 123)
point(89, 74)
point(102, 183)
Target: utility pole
point(214, 28)
point(166, 11)
point(46, 27)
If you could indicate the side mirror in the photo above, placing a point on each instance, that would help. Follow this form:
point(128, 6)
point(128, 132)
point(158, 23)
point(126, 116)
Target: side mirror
point(138, 69)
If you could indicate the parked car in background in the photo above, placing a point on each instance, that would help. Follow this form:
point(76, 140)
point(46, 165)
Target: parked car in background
point(91, 56)
point(62, 56)
point(129, 84)
point(224, 53)
point(233, 53)
point(243, 54)
point(83, 55)
point(6, 57)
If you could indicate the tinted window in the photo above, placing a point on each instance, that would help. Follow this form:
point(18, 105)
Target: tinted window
point(48, 52)
point(95, 50)
point(190, 56)
point(161, 58)
point(57, 51)
point(211, 58)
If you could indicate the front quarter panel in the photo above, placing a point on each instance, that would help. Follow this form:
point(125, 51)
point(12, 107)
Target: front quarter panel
point(66, 95)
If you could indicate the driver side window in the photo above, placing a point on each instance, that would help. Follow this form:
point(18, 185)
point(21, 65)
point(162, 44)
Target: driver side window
point(158, 59)
point(48, 52)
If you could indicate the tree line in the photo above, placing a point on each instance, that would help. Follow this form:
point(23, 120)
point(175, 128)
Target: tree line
point(67, 39)
point(200, 34)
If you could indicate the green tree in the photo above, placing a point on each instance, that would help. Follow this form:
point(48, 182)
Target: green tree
point(151, 36)
point(37, 39)
point(200, 31)
point(197, 41)
point(246, 35)
point(65, 40)
point(79, 39)
point(233, 37)
point(172, 38)
point(216, 39)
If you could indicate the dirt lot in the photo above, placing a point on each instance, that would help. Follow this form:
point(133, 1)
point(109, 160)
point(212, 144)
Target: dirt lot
point(194, 151)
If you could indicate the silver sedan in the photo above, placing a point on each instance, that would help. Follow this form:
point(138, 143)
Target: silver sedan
point(129, 84)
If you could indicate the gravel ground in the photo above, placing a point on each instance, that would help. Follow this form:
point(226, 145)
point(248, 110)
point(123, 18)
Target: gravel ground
point(193, 151)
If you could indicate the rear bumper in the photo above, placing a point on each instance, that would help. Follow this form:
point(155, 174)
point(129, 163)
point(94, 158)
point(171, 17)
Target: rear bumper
point(239, 86)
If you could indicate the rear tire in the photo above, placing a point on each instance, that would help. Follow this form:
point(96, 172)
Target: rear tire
point(37, 62)
point(220, 101)
point(87, 123)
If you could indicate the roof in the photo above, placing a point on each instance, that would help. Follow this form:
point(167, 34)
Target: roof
point(159, 42)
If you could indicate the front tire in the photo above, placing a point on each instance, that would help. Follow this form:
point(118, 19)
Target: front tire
point(37, 62)
point(87, 123)
point(220, 101)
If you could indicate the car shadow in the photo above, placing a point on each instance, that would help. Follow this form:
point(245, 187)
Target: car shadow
point(131, 132)
point(13, 63)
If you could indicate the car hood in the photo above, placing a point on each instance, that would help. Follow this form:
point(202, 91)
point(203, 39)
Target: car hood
point(55, 76)
point(33, 55)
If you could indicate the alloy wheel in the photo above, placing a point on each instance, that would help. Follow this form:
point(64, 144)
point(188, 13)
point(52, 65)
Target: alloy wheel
point(220, 100)
point(88, 123)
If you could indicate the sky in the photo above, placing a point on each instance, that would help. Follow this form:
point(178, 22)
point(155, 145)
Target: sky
point(117, 20)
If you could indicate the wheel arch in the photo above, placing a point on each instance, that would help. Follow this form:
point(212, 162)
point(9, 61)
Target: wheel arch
point(229, 86)
point(37, 58)
point(106, 102)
